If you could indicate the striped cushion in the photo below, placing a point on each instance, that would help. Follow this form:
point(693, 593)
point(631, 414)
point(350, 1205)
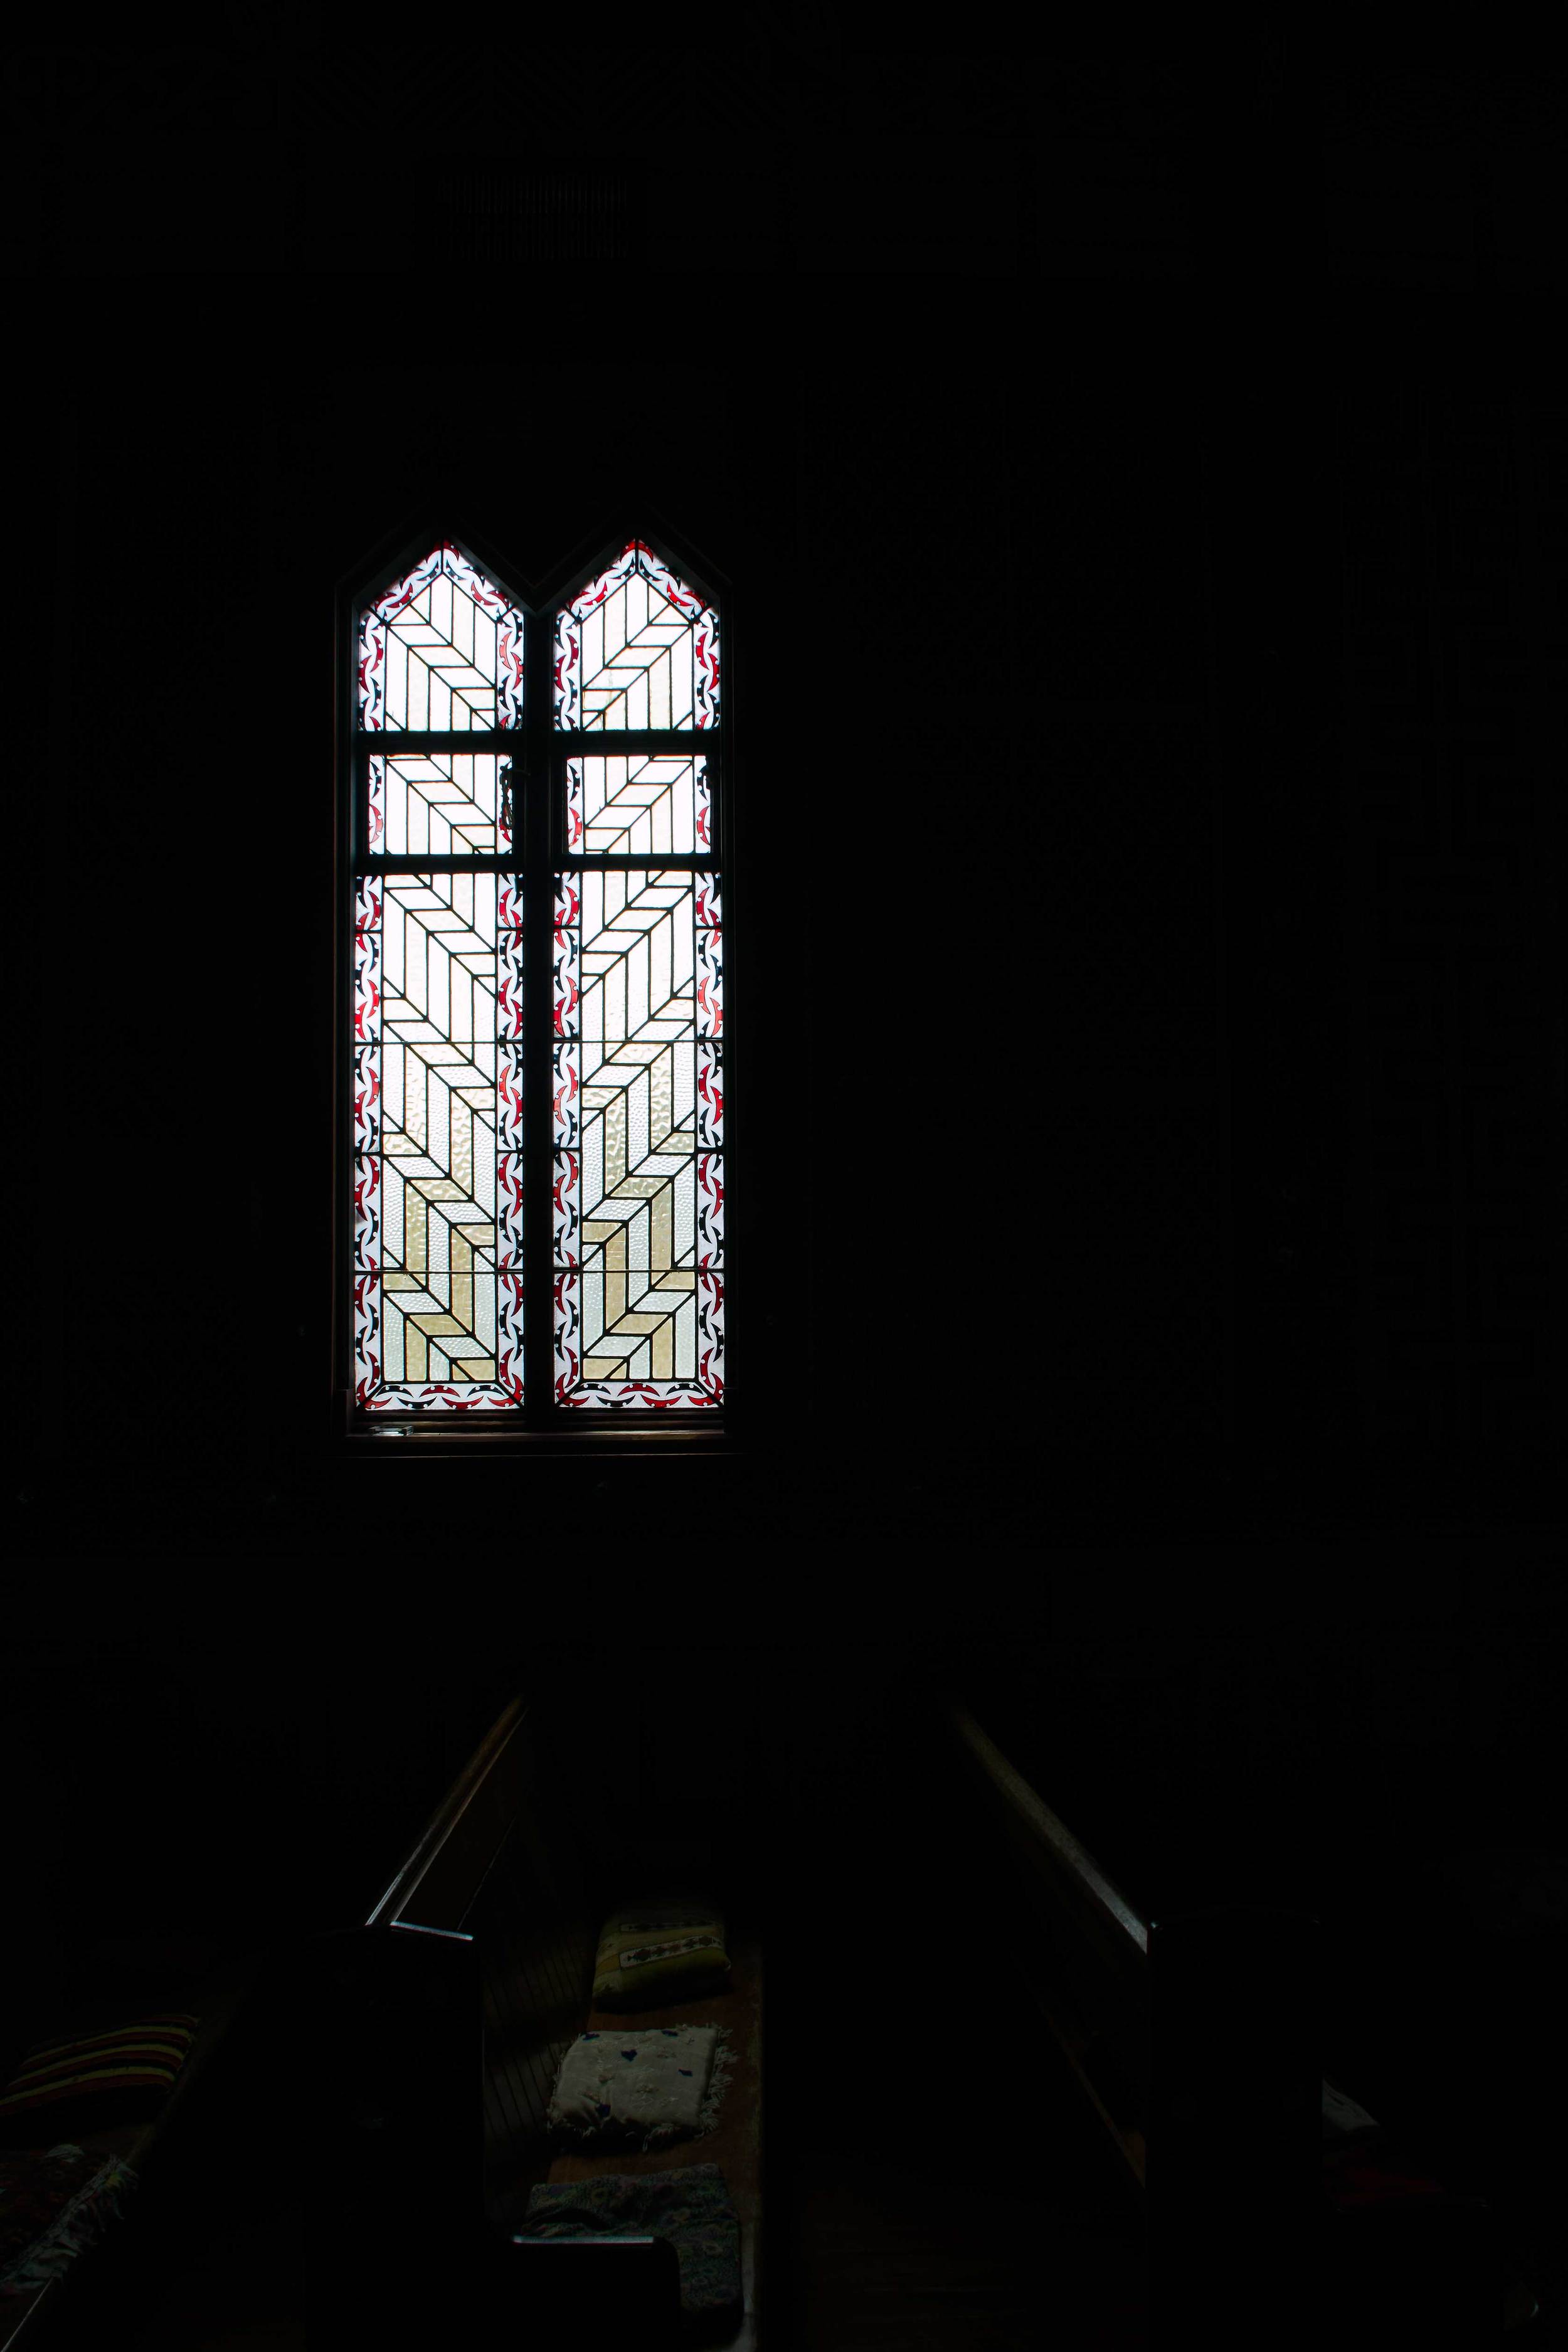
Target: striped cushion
point(126, 2073)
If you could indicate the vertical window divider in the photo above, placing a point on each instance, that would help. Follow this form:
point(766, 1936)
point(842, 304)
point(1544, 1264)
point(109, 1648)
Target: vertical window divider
point(347, 860)
point(538, 851)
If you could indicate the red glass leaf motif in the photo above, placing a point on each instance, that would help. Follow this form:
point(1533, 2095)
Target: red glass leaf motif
point(567, 1004)
point(706, 659)
point(366, 1011)
point(510, 1094)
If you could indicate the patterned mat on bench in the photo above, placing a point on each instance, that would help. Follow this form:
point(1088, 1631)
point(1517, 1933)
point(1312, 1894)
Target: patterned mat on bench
point(53, 2202)
point(664, 2083)
point(691, 2207)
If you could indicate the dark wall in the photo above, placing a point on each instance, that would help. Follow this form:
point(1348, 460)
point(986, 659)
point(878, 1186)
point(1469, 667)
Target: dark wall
point(1143, 927)
point(1146, 914)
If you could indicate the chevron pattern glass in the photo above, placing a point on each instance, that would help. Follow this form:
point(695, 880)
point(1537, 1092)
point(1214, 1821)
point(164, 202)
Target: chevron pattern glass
point(438, 804)
point(441, 651)
point(639, 1193)
point(636, 650)
point(642, 805)
point(437, 1143)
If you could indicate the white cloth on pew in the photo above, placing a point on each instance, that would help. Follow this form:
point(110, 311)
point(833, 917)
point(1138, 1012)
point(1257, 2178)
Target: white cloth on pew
point(663, 2083)
point(1344, 2117)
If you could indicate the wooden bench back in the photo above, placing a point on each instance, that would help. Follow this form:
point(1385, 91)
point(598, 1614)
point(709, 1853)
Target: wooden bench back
point(1084, 1946)
point(451, 2004)
point(1193, 2035)
point(494, 1870)
point(435, 1884)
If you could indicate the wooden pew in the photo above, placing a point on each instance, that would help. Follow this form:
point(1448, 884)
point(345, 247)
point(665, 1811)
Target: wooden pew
point(462, 1992)
point(1090, 1978)
point(1193, 2040)
point(102, 2283)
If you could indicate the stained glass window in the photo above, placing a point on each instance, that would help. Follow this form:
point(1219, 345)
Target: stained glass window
point(483, 829)
point(639, 806)
point(639, 1192)
point(436, 1127)
point(637, 650)
point(440, 803)
point(442, 649)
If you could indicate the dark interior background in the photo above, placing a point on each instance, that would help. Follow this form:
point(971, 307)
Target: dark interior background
point(1144, 505)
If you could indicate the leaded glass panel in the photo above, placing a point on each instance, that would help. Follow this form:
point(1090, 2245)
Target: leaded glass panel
point(438, 803)
point(642, 805)
point(634, 1150)
point(438, 1139)
point(441, 651)
point(638, 1139)
point(636, 650)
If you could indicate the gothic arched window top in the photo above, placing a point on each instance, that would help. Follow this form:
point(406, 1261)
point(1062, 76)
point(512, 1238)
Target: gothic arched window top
point(441, 652)
point(636, 651)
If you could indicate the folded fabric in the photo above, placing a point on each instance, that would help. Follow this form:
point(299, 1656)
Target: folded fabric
point(691, 2207)
point(119, 2075)
point(655, 1952)
point(52, 2204)
point(1345, 2118)
point(662, 2084)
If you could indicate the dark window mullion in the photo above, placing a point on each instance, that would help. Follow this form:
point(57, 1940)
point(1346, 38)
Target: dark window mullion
point(416, 863)
point(392, 741)
point(576, 741)
point(349, 862)
point(536, 839)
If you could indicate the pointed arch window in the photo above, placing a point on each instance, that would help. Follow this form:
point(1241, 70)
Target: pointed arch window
point(532, 1223)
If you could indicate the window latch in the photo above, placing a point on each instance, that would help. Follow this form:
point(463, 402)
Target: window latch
point(513, 777)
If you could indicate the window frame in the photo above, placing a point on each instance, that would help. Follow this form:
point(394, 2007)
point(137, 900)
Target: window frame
point(538, 855)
